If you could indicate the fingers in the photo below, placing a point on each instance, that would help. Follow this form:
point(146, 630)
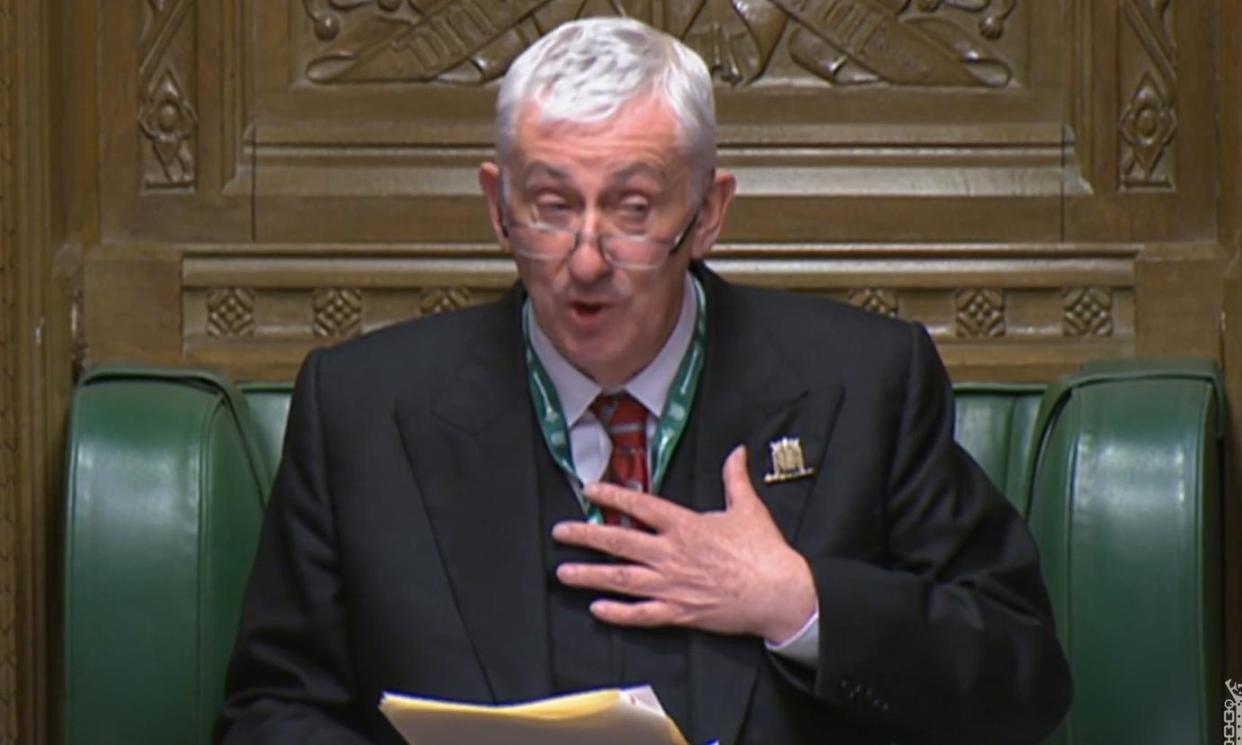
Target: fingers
point(655, 512)
point(648, 613)
point(623, 543)
point(737, 486)
point(622, 579)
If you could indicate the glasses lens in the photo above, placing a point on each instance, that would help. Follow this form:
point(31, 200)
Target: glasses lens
point(542, 241)
point(633, 251)
point(548, 243)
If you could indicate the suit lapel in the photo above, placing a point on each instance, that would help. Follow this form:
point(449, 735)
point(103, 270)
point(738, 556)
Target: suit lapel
point(748, 395)
point(472, 457)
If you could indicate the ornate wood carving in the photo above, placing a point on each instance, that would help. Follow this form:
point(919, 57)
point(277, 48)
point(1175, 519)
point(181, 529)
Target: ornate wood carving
point(242, 314)
point(848, 42)
point(1088, 311)
point(966, 297)
point(840, 42)
point(338, 312)
point(875, 300)
point(230, 312)
point(441, 299)
point(1046, 312)
point(980, 313)
point(166, 114)
point(1148, 92)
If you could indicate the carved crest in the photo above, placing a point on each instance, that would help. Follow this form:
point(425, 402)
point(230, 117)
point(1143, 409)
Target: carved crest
point(843, 42)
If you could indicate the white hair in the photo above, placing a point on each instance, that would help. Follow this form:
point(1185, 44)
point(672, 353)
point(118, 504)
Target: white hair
point(586, 70)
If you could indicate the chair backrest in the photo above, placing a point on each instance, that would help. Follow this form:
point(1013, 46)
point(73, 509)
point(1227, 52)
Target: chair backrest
point(1118, 469)
point(269, 410)
point(1126, 508)
point(163, 512)
point(995, 423)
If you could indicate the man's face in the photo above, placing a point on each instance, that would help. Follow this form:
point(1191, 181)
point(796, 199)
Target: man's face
point(624, 175)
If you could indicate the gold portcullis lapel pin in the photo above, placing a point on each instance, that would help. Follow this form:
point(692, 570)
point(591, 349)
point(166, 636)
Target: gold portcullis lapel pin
point(787, 461)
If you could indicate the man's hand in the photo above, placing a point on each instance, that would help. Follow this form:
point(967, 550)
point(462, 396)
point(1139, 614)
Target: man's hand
point(729, 572)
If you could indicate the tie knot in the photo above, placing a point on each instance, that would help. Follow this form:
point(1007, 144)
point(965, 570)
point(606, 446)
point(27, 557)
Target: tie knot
point(619, 412)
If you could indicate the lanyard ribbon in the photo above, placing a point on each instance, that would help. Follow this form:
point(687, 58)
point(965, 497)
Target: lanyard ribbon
point(669, 428)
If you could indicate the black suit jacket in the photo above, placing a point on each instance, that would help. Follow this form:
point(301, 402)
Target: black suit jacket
point(402, 545)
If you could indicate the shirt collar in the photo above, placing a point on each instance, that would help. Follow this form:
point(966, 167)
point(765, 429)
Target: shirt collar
point(649, 386)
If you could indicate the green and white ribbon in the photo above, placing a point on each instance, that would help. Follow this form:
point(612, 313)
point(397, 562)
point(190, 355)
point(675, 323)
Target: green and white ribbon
point(669, 428)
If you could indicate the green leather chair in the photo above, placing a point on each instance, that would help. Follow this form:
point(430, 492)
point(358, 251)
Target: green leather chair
point(995, 423)
point(166, 485)
point(1125, 499)
point(1117, 469)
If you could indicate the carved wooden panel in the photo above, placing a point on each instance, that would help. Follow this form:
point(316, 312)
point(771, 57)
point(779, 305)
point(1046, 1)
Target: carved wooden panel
point(947, 161)
point(172, 120)
point(1148, 87)
point(168, 80)
point(1145, 147)
point(871, 100)
point(257, 313)
point(969, 43)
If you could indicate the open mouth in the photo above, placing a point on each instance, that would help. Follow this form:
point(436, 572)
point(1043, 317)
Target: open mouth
point(586, 310)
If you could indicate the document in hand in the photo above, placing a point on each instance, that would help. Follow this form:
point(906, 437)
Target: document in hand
point(607, 717)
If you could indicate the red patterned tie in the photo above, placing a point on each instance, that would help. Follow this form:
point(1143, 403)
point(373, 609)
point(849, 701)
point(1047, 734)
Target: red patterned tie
point(625, 420)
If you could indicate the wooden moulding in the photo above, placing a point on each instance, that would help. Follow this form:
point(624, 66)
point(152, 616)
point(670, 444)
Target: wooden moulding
point(35, 364)
point(132, 301)
point(1180, 289)
point(1018, 313)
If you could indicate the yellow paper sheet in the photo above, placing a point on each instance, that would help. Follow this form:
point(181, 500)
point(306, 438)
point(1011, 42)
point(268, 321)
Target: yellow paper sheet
point(607, 717)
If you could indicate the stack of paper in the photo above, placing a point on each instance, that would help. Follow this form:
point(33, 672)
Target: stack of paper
point(607, 717)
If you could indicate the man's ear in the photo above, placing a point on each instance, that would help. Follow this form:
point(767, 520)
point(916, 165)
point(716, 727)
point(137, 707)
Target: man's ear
point(712, 210)
point(489, 183)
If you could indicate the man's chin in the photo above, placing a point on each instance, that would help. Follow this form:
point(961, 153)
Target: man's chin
point(599, 364)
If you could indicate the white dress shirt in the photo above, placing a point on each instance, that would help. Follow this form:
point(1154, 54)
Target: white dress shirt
point(589, 442)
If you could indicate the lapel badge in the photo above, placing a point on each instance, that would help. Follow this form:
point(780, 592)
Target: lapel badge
point(787, 461)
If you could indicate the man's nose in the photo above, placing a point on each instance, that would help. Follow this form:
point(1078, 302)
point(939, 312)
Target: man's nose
point(586, 260)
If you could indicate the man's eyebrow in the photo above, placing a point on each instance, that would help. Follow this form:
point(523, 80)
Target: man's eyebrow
point(639, 169)
point(540, 168)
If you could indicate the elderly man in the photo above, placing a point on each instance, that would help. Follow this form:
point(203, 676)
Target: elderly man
point(630, 471)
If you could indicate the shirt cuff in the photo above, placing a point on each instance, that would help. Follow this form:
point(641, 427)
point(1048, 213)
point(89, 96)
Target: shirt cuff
point(803, 646)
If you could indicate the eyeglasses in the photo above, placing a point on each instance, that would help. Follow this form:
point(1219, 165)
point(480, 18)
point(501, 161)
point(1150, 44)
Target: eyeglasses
point(543, 242)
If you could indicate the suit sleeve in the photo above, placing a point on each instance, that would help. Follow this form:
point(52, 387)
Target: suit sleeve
point(289, 678)
point(951, 638)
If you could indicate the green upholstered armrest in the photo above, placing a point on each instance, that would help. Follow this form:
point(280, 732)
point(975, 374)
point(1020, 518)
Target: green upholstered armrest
point(164, 503)
point(1126, 508)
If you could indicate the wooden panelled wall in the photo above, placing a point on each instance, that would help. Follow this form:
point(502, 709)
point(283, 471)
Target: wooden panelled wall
point(231, 182)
